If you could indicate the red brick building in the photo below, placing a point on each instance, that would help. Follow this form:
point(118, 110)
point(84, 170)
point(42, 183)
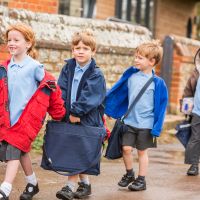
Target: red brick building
point(162, 17)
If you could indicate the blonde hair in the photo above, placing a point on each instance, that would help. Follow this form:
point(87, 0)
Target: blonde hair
point(28, 34)
point(85, 36)
point(151, 50)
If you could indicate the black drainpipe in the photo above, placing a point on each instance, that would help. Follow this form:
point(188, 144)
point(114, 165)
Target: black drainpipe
point(167, 63)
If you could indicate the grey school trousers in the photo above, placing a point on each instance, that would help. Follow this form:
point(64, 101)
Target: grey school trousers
point(192, 152)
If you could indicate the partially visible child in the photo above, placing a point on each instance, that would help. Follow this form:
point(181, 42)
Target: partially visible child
point(145, 120)
point(27, 93)
point(87, 91)
point(192, 90)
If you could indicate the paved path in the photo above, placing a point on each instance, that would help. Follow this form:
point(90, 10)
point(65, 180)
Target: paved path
point(166, 179)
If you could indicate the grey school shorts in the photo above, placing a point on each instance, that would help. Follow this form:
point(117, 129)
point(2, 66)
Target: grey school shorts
point(9, 152)
point(140, 139)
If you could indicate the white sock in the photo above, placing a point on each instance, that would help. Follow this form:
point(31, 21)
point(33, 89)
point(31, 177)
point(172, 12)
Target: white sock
point(31, 179)
point(85, 180)
point(71, 185)
point(6, 188)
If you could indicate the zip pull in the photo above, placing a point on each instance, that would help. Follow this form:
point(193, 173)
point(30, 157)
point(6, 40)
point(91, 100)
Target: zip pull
point(6, 81)
point(6, 106)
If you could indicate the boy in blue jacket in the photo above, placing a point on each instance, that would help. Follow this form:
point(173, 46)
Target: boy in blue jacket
point(83, 91)
point(145, 121)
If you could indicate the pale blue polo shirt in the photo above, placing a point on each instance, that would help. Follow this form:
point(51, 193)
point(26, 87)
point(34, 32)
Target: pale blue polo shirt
point(142, 115)
point(196, 108)
point(78, 73)
point(23, 79)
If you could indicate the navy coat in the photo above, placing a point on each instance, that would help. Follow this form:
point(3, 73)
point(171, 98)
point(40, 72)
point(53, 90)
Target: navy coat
point(90, 94)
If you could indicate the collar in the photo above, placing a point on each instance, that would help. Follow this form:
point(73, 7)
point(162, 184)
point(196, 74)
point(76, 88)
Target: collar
point(84, 68)
point(21, 64)
point(146, 75)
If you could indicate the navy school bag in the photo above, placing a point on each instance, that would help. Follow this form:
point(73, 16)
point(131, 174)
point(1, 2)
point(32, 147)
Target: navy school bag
point(183, 132)
point(114, 148)
point(71, 149)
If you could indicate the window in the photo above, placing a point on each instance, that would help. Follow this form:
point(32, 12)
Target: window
point(89, 8)
point(78, 8)
point(64, 7)
point(4, 2)
point(136, 11)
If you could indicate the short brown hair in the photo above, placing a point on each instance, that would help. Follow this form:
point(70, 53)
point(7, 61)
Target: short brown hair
point(28, 34)
point(151, 50)
point(85, 36)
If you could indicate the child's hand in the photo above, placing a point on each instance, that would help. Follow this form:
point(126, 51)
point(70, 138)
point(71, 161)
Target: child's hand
point(74, 119)
point(107, 117)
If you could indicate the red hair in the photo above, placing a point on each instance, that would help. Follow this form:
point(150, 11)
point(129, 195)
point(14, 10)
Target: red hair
point(28, 34)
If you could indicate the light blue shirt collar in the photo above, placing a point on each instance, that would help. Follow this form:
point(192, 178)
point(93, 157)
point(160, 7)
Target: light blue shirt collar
point(84, 68)
point(21, 64)
point(146, 75)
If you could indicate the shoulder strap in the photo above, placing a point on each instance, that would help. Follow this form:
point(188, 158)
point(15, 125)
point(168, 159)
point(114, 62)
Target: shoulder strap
point(138, 97)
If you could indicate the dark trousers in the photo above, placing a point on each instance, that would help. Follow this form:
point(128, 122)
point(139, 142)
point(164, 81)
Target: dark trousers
point(192, 152)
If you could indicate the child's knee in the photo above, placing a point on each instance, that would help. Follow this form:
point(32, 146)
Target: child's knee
point(142, 152)
point(127, 149)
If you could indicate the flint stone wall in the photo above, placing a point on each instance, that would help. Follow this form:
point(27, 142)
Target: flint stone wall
point(116, 41)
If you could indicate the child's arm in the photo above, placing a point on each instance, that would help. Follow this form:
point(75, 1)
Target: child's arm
point(190, 87)
point(157, 128)
point(92, 95)
point(56, 104)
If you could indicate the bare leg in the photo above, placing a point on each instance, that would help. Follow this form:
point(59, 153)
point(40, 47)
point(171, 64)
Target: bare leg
point(83, 176)
point(26, 163)
point(140, 183)
point(128, 157)
point(73, 178)
point(11, 171)
point(143, 162)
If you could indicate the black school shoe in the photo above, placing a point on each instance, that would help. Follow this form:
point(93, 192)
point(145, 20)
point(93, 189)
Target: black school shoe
point(4, 196)
point(29, 192)
point(193, 170)
point(65, 193)
point(138, 185)
point(125, 180)
point(82, 191)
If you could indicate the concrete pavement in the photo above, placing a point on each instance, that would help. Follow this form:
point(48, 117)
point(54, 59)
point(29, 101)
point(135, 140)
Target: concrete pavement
point(166, 179)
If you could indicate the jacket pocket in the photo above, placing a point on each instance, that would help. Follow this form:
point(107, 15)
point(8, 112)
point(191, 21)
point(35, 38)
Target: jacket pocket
point(32, 133)
point(41, 106)
point(37, 113)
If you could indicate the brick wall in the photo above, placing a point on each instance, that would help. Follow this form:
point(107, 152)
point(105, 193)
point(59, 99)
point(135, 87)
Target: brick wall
point(184, 52)
point(171, 17)
point(4, 55)
point(47, 6)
